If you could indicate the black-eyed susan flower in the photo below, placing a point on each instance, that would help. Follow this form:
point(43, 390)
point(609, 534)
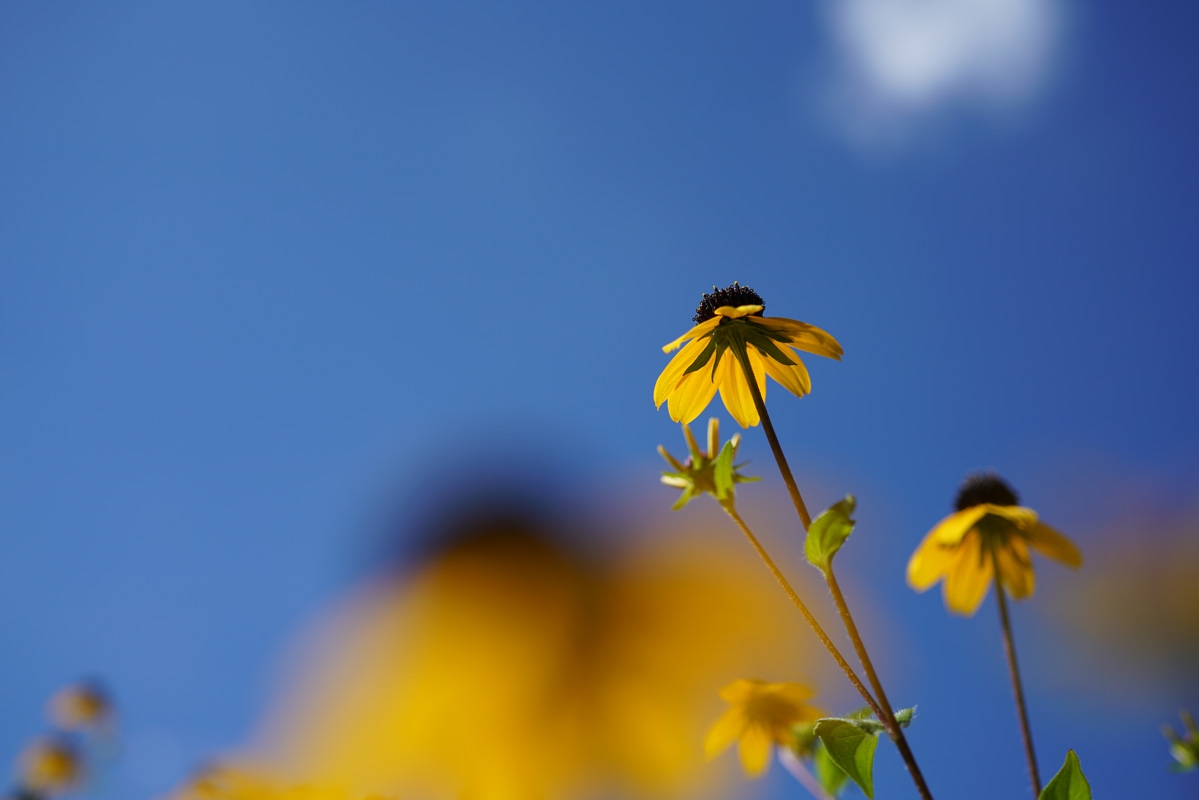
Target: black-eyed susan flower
point(49, 766)
point(80, 706)
point(711, 471)
point(731, 332)
point(760, 717)
point(988, 531)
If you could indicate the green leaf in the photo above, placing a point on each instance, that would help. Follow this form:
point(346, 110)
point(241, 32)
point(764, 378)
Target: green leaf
point(851, 748)
point(828, 532)
point(1069, 783)
point(831, 777)
point(723, 472)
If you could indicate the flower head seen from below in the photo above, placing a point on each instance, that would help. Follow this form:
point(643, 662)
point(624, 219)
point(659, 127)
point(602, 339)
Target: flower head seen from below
point(710, 470)
point(760, 717)
point(988, 531)
point(731, 332)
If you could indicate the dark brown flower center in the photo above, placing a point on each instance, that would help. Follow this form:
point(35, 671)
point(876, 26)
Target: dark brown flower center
point(735, 295)
point(985, 487)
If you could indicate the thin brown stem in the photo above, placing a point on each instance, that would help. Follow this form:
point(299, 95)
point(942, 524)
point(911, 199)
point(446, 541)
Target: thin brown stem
point(803, 609)
point(894, 730)
point(887, 717)
point(772, 437)
point(1009, 648)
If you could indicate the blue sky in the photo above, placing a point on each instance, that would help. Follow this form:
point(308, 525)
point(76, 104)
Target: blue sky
point(262, 264)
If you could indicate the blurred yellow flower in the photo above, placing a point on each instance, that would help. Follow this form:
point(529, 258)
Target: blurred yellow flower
point(730, 322)
point(80, 706)
point(49, 766)
point(511, 666)
point(224, 782)
point(760, 717)
point(988, 531)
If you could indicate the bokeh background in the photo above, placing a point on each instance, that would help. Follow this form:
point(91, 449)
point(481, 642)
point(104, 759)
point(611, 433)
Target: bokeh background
point(282, 285)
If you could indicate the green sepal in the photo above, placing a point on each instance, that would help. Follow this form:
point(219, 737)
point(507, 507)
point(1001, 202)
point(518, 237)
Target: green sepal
point(831, 777)
point(828, 533)
point(722, 472)
point(851, 748)
point(704, 356)
point(1069, 783)
point(684, 498)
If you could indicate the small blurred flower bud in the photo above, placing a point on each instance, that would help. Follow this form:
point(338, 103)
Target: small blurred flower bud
point(80, 707)
point(49, 766)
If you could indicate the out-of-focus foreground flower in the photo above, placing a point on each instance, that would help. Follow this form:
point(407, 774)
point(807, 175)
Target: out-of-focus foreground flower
point(988, 530)
point(730, 321)
point(510, 665)
point(761, 716)
point(49, 765)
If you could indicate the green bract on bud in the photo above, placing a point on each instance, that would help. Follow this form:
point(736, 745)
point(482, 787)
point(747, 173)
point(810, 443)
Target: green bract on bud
point(711, 470)
point(828, 532)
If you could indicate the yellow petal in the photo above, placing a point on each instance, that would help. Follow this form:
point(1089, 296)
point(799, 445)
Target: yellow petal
point(692, 396)
point(755, 748)
point(968, 577)
point(792, 377)
point(929, 563)
point(734, 389)
point(803, 336)
point(728, 372)
point(738, 311)
point(794, 693)
point(1015, 568)
point(697, 331)
point(727, 730)
point(1019, 516)
point(950, 530)
point(670, 377)
point(741, 690)
point(1049, 542)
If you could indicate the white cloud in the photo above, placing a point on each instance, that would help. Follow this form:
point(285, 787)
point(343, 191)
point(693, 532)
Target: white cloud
point(902, 61)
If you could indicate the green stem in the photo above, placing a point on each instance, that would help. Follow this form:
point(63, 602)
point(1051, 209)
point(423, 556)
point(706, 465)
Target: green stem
point(1009, 648)
point(894, 730)
point(772, 437)
point(803, 609)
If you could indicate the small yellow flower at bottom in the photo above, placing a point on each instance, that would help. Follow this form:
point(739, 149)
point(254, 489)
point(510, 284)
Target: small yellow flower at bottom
point(49, 766)
point(761, 716)
point(988, 528)
point(711, 471)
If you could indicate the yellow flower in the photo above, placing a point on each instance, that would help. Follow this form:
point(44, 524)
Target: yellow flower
point(730, 323)
point(988, 530)
point(49, 766)
point(81, 706)
point(761, 716)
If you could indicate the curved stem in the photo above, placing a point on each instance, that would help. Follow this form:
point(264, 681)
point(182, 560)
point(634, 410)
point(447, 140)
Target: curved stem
point(772, 437)
point(894, 730)
point(1009, 648)
point(887, 717)
point(803, 609)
